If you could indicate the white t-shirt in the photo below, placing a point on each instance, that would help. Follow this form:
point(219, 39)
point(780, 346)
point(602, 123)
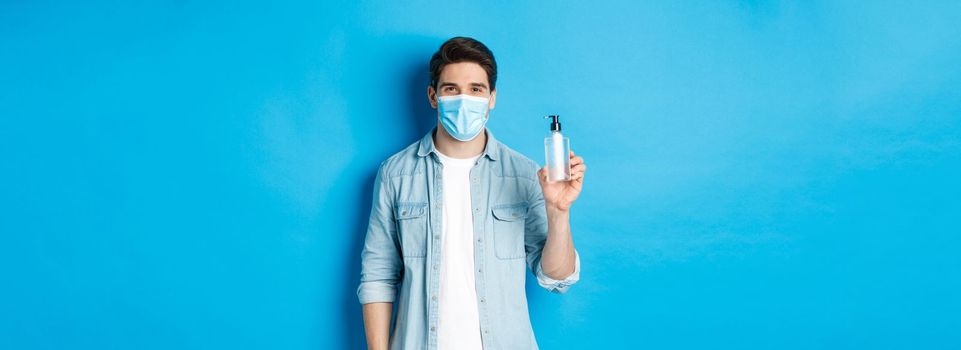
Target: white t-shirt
point(459, 320)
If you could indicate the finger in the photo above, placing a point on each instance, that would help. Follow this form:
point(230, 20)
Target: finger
point(577, 174)
point(576, 161)
point(578, 181)
point(580, 168)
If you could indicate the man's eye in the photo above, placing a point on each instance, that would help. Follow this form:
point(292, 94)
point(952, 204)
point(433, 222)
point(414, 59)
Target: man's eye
point(477, 90)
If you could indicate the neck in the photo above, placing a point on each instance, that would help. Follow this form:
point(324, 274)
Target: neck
point(455, 148)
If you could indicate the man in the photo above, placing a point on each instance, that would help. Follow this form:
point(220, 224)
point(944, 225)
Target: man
point(456, 220)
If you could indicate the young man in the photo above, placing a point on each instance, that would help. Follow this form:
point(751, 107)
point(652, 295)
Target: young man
point(456, 220)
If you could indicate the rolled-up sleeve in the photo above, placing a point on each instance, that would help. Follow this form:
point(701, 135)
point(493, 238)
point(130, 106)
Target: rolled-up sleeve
point(559, 286)
point(381, 264)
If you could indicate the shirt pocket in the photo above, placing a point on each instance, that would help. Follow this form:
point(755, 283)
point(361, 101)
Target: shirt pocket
point(509, 222)
point(412, 228)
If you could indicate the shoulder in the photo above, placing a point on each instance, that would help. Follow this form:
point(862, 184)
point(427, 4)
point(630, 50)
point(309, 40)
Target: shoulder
point(516, 164)
point(401, 163)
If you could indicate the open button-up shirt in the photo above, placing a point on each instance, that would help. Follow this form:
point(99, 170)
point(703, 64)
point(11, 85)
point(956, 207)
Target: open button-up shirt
point(401, 256)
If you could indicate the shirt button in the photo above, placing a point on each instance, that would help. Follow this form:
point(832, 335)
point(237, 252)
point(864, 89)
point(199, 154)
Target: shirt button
point(480, 270)
point(435, 267)
point(482, 300)
point(479, 239)
point(433, 298)
point(431, 328)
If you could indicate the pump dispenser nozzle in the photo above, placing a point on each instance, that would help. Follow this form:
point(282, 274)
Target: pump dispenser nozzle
point(555, 125)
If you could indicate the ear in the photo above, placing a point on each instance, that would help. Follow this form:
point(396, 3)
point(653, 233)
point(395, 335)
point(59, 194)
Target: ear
point(493, 99)
point(432, 97)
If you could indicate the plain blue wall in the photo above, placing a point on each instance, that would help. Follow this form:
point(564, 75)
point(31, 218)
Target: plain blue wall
point(186, 175)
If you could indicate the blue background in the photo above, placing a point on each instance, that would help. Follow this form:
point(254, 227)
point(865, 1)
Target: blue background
point(762, 174)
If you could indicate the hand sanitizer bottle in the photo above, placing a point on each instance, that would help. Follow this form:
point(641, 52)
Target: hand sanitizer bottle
point(557, 149)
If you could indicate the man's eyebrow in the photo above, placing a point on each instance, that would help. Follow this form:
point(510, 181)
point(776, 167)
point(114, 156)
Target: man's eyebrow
point(443, 84)
point(479, 85)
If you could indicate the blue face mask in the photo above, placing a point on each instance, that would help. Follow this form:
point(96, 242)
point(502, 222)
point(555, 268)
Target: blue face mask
point(463, 116)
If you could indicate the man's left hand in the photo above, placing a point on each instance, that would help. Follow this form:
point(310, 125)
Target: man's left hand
point(560, 195)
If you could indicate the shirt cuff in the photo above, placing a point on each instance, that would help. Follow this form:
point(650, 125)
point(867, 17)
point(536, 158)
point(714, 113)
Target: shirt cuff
point(559, 286)
point(376, 292)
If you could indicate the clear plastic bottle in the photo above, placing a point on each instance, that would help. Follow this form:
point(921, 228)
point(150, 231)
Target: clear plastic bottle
point(557, 150)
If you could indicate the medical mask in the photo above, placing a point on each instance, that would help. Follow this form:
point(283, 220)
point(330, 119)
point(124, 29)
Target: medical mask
point(463, 116)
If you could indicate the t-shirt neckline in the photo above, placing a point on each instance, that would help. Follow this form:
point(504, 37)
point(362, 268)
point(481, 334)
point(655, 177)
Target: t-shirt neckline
point(457, 161)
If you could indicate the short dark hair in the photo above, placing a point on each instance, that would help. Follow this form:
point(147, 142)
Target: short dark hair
point(463, 49)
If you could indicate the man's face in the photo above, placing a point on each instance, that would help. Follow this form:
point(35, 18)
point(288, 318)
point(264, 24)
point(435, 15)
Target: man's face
point(462, 78)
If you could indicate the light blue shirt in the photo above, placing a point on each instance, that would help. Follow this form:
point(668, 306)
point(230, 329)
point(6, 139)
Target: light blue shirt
point(401, 256)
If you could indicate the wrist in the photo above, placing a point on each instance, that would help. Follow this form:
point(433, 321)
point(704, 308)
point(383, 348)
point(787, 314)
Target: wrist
point(557, 212)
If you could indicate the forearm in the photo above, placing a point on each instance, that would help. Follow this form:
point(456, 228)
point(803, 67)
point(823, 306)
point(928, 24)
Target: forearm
point(557, 259)
point(377, 325)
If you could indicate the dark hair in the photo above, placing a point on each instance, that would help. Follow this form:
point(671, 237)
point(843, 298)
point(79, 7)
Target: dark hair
point(463, 49)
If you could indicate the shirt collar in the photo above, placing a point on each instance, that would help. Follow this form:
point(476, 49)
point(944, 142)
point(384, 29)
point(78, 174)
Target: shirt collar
point(491, 150)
